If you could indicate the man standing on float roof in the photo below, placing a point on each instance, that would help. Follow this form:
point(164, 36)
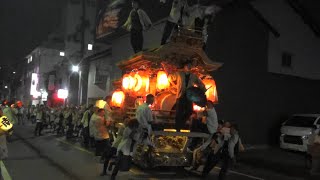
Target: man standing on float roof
point(183, 80)
point(137, 21)
point(174, 18)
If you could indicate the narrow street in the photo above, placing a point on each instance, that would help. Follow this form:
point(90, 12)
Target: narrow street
point(51, 157)
point(235, 81)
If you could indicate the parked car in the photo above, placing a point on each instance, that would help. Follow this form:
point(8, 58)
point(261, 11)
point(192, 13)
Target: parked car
point(295, 132)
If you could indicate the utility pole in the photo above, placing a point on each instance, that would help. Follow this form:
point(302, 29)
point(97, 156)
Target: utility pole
point(84, 70)
point(83, 28)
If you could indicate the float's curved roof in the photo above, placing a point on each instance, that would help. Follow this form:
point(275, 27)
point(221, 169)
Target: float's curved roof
point(182, 47)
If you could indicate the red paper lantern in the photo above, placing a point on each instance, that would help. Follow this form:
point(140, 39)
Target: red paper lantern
point(211, 87)
point(162, 80)
point(117, 99)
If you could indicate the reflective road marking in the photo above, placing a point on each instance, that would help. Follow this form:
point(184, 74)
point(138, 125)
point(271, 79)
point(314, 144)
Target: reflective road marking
point(75, 146)
point(241, 174)
point(4, 172)
point(136, 172)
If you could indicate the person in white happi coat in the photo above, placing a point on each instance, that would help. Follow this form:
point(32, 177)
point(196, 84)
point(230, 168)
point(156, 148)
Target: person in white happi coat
point(137, 21)
point(107, 109)
point(40, 118)
point(174, 18)
point(211, 118)
point(99, 130)
point(224, 151)
point(7, 111)
point(126, 147)
point(85, 121)
point(145, 118)
point(115, 144)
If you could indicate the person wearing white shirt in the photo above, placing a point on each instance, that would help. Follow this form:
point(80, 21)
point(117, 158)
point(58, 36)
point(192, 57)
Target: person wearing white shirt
point(113, 150)
point(126, 147)
point(144, 117)
point(7, 111)
point(85, 123)
point(223, 151)
point(107, 109)
point(40, 117)
point(137, 21)
point(98, 131)
point(174, 17)
point(21, 115)
point(211, 118)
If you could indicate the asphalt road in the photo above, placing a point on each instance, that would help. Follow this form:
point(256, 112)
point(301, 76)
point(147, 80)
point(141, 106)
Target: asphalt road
point(51, 157)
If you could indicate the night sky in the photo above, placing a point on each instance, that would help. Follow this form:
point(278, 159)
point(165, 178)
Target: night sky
point(24, 25)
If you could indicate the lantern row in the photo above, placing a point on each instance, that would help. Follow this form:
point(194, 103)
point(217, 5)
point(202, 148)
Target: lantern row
point(137, 83)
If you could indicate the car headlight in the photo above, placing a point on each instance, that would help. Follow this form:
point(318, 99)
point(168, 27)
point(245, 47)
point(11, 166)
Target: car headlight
point(305, 137)
point(282, 135)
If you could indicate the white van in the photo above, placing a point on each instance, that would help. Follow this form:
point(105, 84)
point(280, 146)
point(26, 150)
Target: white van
point(296, 130)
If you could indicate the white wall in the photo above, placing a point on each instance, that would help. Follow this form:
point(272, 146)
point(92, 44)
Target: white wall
point(104, 88)
point(49, 58)
point(295, 37)
point(44, 61)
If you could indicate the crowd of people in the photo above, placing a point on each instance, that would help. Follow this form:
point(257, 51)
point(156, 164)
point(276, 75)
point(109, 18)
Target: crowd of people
point(116, 143)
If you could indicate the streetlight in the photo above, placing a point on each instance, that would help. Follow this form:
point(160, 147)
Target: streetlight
point(75, 68)
point(6, 87)
point(13, 72)
point(62, 53)
point(90, 47)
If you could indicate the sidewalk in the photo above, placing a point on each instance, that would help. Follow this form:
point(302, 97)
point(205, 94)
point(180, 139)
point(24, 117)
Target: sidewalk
point(277, 160)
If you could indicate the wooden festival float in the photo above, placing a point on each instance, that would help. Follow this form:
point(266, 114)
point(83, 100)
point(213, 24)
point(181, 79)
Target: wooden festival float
point(145, 73)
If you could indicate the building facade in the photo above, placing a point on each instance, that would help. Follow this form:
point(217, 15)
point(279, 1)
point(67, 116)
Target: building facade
point(254, 91)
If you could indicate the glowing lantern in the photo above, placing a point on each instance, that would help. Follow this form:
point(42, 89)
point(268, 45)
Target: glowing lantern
point(128, 82)
point(117, 98)
point(5, 124)
point(162, 80)
point(197, 108)
point(100, 104)
point(136, 82)
point(211, 87)
point(142, 83)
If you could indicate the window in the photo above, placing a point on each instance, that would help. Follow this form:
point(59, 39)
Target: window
point(286, 60)
point(301, 121)
point(29, 59)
